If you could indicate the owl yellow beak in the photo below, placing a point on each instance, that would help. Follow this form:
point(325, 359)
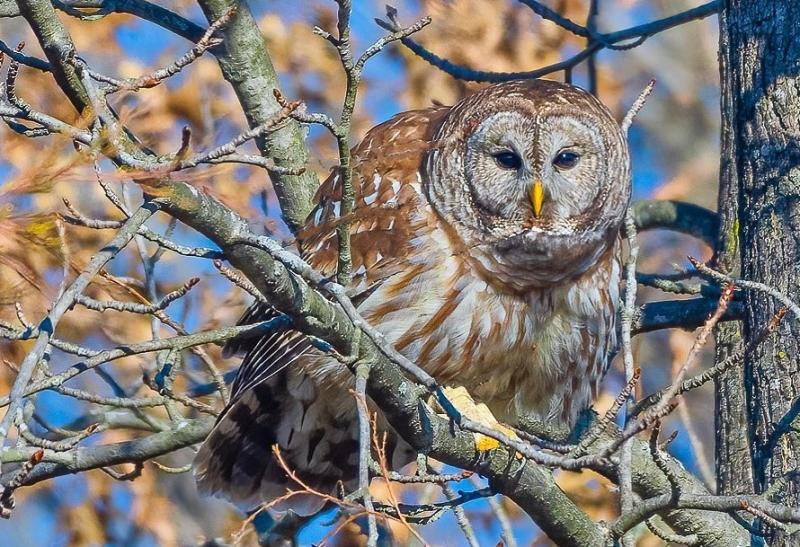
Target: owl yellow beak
point(537, 198)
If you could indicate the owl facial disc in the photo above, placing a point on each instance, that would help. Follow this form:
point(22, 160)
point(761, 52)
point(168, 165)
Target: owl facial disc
point(534, 174)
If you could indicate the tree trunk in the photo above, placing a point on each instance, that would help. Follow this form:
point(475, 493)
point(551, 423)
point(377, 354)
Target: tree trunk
point(761, 44)
point(733, 462)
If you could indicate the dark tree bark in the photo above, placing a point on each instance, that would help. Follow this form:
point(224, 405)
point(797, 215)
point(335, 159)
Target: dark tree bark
point(733, 462)
point(761, 47)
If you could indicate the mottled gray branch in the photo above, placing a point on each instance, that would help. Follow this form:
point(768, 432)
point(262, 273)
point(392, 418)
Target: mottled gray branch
point(247, 66)
point(626, 323)
point(677, 216)
point(81, 459)
point(57, 45)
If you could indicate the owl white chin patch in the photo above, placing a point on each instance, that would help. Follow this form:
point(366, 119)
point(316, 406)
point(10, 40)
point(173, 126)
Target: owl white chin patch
point(558, 229)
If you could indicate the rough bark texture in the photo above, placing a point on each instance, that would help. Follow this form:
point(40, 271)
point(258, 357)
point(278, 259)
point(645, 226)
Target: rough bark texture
point(762, 45)
point(246, 64)
point(733, 462)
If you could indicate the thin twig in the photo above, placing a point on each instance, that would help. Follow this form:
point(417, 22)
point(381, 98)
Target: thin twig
point(153, 79)
point(461, 517)
point(599, 427)
point(747, 284)
point(175, 342)
point(720, 368)
point(7, 492)
point(624, 469)
point(637, 106)
point(133, 307)
point(364, 456)
point(341, 130)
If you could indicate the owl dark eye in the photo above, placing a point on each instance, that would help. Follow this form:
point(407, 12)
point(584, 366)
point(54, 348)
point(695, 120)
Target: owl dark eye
point(508, 160)
point(566, 159)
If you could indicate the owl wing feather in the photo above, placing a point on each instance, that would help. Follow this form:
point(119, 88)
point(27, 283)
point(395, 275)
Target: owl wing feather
point(267, 355)
point(386, 189)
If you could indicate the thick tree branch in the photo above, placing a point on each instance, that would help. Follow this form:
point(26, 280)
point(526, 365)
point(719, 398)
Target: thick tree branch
point(677, 216)
point(246, 65)
point(530, 485)
point(57, 46)
point(681, 314)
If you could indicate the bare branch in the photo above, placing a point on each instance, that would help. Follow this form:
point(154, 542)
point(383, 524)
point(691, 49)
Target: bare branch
point(626, 313)
point(205, 42)
point(747, 284)
point(637, 105)
point(7, 491)
point(706, 376)
point(133, 307)
point(678, 216)
point(364, 454)
point(84, 458)
point(176, 342)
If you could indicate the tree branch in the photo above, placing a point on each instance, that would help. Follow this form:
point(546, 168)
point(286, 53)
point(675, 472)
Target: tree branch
point(148, 11)
point(681, 314)
point(85, 458)
point(677, 216)
point(246, 65)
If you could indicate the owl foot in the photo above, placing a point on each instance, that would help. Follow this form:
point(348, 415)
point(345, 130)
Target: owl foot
point(478, 412)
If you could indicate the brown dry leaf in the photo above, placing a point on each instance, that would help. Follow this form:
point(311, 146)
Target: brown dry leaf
point(84, 524)
point(152, 509)
point(592, 492)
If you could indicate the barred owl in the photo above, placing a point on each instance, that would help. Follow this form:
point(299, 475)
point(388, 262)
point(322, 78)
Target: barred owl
point(485, 242)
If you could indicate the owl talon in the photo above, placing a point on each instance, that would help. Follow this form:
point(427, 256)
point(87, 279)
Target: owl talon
point(479, 412)
point(484, 443)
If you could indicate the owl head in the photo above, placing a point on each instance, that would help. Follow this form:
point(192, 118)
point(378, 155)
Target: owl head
point(534, 177)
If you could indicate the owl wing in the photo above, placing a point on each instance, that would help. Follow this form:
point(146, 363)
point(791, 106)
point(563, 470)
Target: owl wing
point(388, 195)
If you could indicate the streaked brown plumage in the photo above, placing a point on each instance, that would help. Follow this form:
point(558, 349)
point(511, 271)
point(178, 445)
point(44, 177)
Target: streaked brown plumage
point(458, 271)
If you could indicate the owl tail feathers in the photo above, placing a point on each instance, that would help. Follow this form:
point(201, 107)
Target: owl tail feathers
point(236, 461)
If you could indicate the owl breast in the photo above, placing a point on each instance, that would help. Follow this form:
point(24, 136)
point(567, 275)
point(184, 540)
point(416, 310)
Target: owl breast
point(541, 353)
